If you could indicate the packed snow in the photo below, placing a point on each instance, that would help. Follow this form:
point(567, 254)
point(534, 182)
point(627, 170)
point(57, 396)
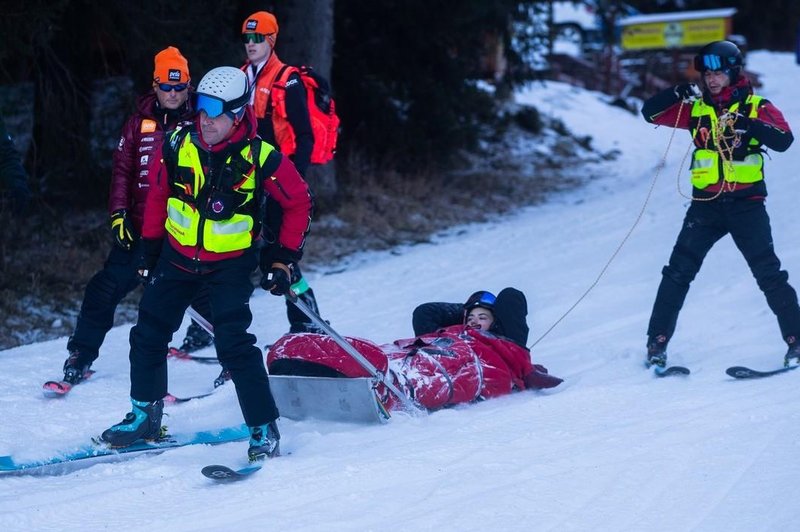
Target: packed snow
point(613, 448)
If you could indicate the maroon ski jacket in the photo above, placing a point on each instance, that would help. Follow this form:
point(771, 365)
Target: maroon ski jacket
point(142, 135)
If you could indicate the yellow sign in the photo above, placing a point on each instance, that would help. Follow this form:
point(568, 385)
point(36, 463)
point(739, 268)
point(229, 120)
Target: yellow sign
point(675, 34)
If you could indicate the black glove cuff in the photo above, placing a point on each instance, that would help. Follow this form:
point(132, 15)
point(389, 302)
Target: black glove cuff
point(151, 250)
point(277, 253)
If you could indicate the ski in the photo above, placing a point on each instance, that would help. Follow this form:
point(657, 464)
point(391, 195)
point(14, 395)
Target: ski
point(741, 372)
point(221, 473)
point(92, 453)
point(178, 354)
point(671, 371)
point(173, 400)
point(62, 388)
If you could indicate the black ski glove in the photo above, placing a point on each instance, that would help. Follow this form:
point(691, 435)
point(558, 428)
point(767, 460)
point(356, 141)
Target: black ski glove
point(278, 279)
point(122, 229)
point(738, 122)
point(151, 250)
point(687, 92)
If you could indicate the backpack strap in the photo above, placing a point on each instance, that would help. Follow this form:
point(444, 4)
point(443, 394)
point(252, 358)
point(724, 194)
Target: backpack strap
point(282, 78)
point(172, 143)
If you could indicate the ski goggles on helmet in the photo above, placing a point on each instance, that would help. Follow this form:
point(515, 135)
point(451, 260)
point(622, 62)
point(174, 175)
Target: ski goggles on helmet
point(214, 106)
point(254, 37)
point(482, 299)
point(167, 87)
point(713, 62)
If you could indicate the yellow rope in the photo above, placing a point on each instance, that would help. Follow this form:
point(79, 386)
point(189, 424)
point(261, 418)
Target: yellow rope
point(724, 144)
point(627, 235)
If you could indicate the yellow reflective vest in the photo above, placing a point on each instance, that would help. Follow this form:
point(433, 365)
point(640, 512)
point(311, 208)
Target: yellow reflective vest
point(217, 213)
point(707, 164)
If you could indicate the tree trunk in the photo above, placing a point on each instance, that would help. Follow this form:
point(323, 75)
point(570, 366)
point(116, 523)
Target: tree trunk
point(305, 37)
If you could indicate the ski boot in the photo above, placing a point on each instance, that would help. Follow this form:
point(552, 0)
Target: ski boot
point(793, 352)
point(196, 338)
point(657, 351)
point(265, 442)
point(143, 422)
point(298, 321)
point(540, 378)
point(224, 376)
point(75, 371)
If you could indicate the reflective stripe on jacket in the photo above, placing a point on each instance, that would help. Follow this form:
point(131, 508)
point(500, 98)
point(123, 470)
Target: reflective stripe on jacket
point(216, 212)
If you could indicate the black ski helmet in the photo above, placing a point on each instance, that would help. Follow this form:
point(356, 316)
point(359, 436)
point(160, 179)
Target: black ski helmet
point(482, 299)
point(720, 55)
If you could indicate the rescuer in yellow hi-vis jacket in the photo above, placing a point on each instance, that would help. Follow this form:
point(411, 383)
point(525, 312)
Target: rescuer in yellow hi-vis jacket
point(731, 129)
point(202, 221)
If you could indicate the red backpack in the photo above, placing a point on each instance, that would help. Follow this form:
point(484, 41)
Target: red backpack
point(321, 111)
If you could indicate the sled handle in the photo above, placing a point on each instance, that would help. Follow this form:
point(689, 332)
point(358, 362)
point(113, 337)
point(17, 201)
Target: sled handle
point(344, 344)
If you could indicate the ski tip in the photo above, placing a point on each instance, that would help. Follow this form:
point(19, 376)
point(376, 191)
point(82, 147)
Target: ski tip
point(741, 372)
point(221, 473)
point(670, 371)
point(55, 389)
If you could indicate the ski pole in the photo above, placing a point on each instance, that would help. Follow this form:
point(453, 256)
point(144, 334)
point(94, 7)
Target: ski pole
point(201, 321)
point(344, 344)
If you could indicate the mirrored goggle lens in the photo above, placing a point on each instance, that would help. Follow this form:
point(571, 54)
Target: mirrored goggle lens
point(712, 62)
point(167, 87)
point(212, 106)
point(487, 298)
point(253, 37)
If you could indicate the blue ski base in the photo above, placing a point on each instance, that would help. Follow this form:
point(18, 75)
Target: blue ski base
point(96, 453)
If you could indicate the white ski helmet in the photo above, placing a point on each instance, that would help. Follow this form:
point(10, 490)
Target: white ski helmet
point(223, 90)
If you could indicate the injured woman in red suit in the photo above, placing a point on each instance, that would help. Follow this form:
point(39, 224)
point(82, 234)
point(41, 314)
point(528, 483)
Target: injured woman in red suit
point(462, 353)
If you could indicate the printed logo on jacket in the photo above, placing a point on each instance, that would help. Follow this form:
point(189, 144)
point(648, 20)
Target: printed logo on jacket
point(148, 126)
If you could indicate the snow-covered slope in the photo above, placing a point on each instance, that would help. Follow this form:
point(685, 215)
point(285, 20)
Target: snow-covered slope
point(613, 449)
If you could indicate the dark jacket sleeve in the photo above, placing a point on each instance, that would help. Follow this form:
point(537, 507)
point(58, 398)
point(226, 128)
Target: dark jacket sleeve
point(13, 177)
point(666, 109)
point(770, 128)
point(510, 316)
point(123, 166)
point(299, 119)
point(430, 317)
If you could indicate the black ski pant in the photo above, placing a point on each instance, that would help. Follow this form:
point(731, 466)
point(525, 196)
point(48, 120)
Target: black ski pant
point(100, 299)
point(161, 310)
point(705, 223)
point(102, 295)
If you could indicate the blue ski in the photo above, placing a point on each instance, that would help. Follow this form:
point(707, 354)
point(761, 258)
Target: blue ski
point(89, 454)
